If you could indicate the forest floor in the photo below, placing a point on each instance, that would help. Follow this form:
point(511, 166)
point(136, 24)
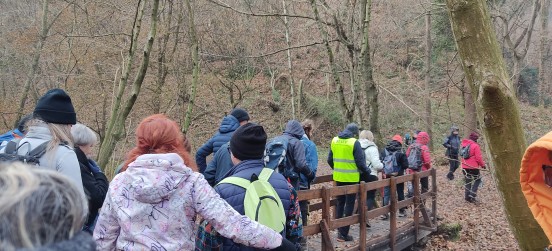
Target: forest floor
point(483, 225)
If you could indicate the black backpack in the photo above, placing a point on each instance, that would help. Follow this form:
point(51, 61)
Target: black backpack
point(32, 157)
point(465, 152)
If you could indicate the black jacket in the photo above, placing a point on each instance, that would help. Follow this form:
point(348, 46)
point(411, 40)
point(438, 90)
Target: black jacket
point(95, 186)
point(402, 160)
point(452, 143)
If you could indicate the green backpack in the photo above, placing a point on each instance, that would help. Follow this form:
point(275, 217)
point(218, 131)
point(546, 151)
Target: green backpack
point(262, 204)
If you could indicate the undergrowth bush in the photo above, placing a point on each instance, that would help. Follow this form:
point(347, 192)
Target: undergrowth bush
point(329, 110)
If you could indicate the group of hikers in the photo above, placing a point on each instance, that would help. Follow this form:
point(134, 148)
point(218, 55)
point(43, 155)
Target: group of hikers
point(245, 197)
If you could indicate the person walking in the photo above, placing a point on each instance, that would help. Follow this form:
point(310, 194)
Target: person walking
point(422, 139)
point(311, 156)
point(154, 203)
point(348, 162)
point(93, 180)
point(472, 162)
point(452, 144)
point(395, 163)
point(227, 127)
point(373, 161)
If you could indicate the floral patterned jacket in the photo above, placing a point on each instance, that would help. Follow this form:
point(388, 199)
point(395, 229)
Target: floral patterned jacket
point(154, 203)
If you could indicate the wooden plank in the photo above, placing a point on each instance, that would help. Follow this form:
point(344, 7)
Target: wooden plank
point(393, 214)
point(427, 220)
point(403, 179)
point(377, 184)
point(323, 179)
point(311, 230)
point(406, 202)
point(425, 173)
point(345, 221)
point(326, 239)
point(342, 190)
point(353, 248)
point(377, 212)
point(319, 205)
point(434, 199)
point(363, 207)
point(309, 194)
point(430, 229)
point(325, 215)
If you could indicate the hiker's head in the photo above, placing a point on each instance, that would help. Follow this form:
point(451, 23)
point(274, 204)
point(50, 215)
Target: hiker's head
point(84, 138)
point(248, 143)
point(423, 138)
point(474, 136)
point(365, 134)
point(454, 130)
point(37, 207)
point(407, 136)
point(397, 138)
point(55, 107)
point(158, 134)
point(353, 128)
point(241, 115)
point(308, 126)
point(22, 124)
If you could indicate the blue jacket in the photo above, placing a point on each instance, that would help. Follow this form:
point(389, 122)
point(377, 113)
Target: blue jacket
point(358, 153)
point(311, 155)
point(452, 143)
point(227, 127)
point(219, 165)
point(235, 195)
point(10, 135)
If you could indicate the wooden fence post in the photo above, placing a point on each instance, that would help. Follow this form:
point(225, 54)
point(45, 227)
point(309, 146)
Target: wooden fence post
point(326, 199)
point(434, 195)
point(393, 214)
point(362, 209)
point(417, 203)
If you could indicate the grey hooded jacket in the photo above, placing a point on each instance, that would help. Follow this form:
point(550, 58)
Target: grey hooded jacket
point(295, 155)
point(63, 160)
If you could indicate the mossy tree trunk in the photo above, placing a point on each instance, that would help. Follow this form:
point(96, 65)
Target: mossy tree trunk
point(543, 50)
point(497, 112)
point(470, 114)
point(120, 111)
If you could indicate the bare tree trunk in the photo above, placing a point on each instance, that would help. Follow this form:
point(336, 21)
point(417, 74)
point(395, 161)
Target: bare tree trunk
point(427, 96)
point(470, 114)
point(543, 50)
point(195, 68)
point(116, 125)
point(336, 81)
point(290, 66)
point(497, 112)
point(45, 27)
point(371, 91)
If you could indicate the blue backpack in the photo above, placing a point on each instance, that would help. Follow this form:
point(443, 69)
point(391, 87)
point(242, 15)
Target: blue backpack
point(275, 158)
point(390, 164)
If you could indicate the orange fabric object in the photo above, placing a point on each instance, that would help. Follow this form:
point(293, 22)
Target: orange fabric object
point(537, 193)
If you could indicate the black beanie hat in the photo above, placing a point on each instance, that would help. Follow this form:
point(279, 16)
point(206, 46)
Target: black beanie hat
point(248, 142)
point(55, 107)
point(240, 114)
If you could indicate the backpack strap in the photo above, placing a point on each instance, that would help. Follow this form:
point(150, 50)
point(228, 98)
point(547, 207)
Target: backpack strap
point(241, 182)
point(39, 150)
point(265, 174)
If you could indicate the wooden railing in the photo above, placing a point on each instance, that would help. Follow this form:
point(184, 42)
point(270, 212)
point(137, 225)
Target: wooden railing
point(427, 221)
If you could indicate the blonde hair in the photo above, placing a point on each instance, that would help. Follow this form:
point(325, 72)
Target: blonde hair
point(365, 134)
point(61, 134)
point(37, 207)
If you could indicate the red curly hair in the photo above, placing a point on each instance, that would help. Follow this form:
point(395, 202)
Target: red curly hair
point(159, 134)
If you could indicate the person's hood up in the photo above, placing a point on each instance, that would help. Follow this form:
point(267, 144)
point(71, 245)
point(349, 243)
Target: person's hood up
point(228, 124)
point(364, 143)
point(155, 177)
point(537, 193)
point(294, 128)
point(393, 146)
point(453, 129)
point(423, 138)
point(345, 134)
point(80, 241)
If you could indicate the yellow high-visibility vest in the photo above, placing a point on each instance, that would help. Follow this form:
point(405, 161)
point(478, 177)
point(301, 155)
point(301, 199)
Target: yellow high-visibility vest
point(345, 168)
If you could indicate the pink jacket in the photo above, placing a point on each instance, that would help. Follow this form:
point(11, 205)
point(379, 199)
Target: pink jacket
point(423, 140)
point(154, 203)
point(476, 160)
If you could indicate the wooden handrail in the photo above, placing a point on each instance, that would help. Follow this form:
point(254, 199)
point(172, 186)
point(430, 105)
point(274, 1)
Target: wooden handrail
point(326, 194)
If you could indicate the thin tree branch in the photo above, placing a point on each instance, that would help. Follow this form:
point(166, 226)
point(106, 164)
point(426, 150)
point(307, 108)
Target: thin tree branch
point(267, 54)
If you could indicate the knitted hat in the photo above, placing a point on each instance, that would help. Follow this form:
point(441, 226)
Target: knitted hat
point(352, 127)
point(474, 136)
point(55, 107)
point(248, 142)
point(240, 114)
point(397, 138)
